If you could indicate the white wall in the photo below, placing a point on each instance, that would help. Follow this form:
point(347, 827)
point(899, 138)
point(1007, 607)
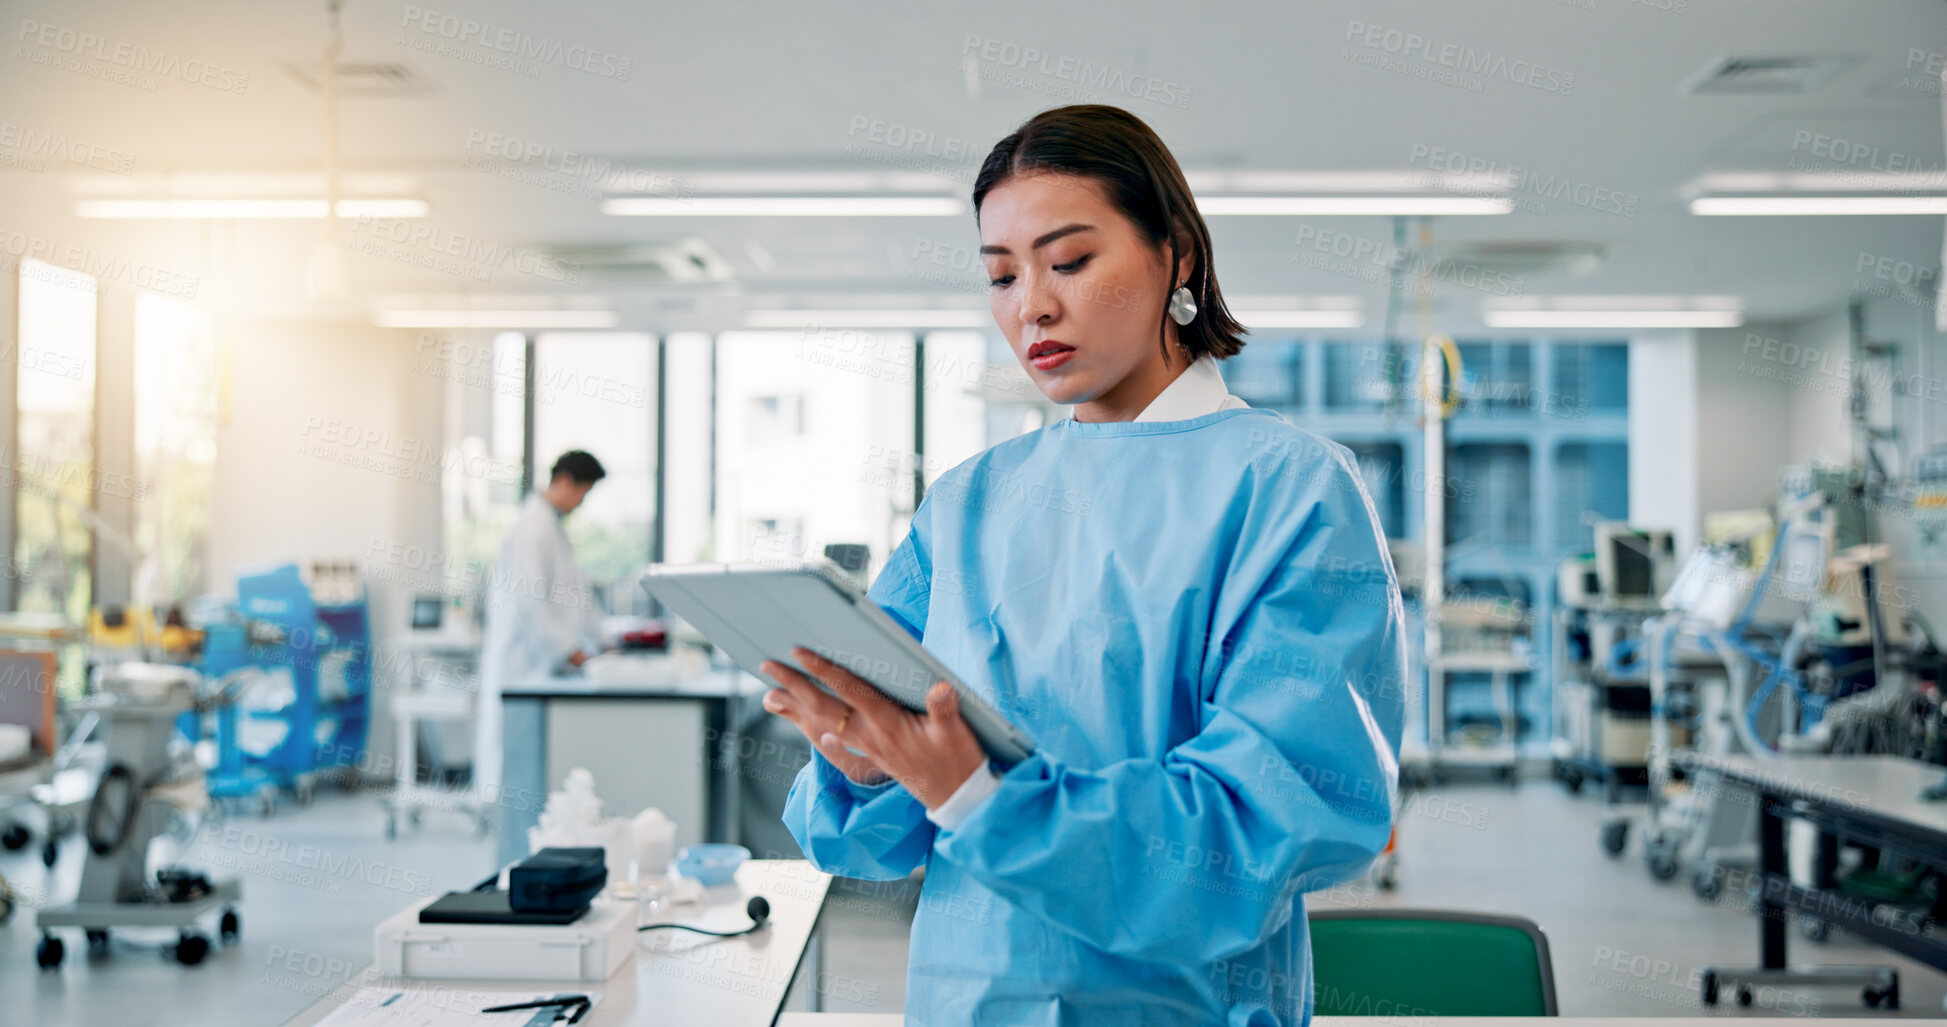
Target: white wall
point(1663, 434)
point(1709, 423)
point(1743, 419)
point(329, 445)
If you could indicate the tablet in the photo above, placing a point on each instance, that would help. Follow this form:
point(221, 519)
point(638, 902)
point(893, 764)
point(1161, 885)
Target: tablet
point(759, 612)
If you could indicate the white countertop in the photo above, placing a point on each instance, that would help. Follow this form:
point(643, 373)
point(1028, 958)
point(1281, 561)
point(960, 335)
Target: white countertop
point(678, 977)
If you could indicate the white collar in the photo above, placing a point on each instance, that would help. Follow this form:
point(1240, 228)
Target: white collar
point(1199, 390)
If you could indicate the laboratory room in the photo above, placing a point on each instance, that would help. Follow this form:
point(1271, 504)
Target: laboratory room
point(869, 514)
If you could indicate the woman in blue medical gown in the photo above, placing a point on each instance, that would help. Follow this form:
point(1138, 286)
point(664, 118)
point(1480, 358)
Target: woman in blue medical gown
point(1186, 602)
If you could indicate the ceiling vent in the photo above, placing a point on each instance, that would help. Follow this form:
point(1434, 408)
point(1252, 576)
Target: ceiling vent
point(364, 80)
point(1765, 74)
point(683, 260)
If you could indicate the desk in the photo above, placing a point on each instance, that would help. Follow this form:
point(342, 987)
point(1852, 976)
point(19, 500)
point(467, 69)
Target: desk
point(648, 728)
point(1873, 799)
point(677, 977)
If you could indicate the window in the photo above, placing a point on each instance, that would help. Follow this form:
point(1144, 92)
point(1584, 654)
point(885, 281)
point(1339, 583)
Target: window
point(1488, 495)
point(175, 447)
point(976, 395)
point(596, 391)
point(1498, 379)
point(1358, 376)
point(54, 467)
point(1592, 378)
point(845, 475)
point(486, 438)
point(1591, 483)
point(1267, 373)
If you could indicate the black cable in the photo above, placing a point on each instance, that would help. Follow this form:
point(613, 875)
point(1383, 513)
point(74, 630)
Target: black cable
point(757, 907)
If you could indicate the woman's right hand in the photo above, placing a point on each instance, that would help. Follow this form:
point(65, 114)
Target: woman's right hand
point(818, 714)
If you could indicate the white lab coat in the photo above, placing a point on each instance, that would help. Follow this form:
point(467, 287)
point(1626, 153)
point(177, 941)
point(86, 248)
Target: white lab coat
point(539, 612)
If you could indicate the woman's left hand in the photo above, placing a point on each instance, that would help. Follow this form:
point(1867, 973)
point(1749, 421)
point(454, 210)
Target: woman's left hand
point(932, 754)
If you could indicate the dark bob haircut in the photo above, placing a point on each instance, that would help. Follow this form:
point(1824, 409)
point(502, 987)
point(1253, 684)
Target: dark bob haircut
point(1142, 180)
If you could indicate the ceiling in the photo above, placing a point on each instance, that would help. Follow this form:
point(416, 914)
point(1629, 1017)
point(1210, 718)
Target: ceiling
point(776, 86)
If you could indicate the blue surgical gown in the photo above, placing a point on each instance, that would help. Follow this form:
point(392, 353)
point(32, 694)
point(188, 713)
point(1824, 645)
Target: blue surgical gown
point(1198, 623)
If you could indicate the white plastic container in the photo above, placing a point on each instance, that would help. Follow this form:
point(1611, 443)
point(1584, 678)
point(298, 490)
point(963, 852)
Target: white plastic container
point(590, 949)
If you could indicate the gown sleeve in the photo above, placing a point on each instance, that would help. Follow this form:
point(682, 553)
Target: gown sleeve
point(1287, 787)
point(871, 832)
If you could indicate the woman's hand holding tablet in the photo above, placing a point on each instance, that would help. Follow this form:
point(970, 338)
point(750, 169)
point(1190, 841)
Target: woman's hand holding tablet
point(869, 738)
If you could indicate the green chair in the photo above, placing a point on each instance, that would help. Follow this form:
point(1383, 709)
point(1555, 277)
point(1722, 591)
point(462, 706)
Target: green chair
point(1422, 962)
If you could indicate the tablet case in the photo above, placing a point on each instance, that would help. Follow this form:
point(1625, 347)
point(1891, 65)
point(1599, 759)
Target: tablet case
point(489, 907)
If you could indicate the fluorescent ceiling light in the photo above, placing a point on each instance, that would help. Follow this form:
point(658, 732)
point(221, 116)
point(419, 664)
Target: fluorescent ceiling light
point(781, 183)
point(1612, 318)
point(1300, 318)
point(868, 319)
point(1801, 206)
point(1414, 182)
point(496, 319)
point(1826, 183)
point(785, 206)
point(1353, 206)
point(261, 209)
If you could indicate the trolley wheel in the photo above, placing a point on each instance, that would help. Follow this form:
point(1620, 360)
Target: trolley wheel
point(306, 790)
point(1707, 882)
point(1662, 862)
point(1615, 837)
point(6, 907)
point(49, 952)
point(1710, 987)
point(97, 942)
point(50, 853)
point(15, 838)
point(191, 947)
point(229, 927)
point(1572, 779)
point(1744, 995)
point(1815, 930)
point(266, 805)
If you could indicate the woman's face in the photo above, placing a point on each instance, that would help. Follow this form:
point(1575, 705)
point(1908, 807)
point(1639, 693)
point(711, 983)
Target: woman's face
point(1079, 294)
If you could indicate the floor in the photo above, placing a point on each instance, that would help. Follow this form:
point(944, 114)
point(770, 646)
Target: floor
point(316, 879)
